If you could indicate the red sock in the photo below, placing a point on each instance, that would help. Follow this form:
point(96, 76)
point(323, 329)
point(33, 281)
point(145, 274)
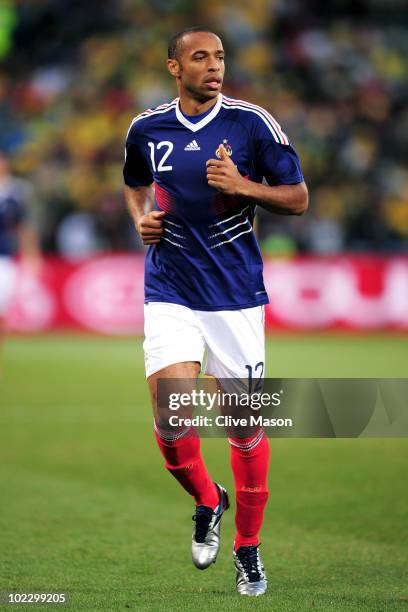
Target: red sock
point(184, 461)
point(249, 462)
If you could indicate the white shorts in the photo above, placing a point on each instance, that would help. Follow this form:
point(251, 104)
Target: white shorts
point(234, 339)
point(8, 277)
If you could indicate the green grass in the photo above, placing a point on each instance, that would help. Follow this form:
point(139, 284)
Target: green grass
point(86, 506)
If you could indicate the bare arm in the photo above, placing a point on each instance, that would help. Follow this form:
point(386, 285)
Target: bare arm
point(148, 222)
point(281, 199)
point(139, 201)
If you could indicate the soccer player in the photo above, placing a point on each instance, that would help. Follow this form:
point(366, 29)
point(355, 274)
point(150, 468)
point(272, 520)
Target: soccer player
point(206, 156)
point(17, 233)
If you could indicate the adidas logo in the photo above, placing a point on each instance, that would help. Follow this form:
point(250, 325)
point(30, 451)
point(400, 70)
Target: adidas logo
point(192, 146)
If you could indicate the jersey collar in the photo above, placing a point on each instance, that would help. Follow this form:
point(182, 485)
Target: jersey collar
point(194, 127)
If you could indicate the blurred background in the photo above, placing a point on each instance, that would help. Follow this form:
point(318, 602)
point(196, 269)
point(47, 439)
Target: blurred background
point(73, 74)
point(88, 507)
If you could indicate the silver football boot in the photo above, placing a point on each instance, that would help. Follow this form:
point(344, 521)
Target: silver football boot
point(251, 577)
point(206, 535)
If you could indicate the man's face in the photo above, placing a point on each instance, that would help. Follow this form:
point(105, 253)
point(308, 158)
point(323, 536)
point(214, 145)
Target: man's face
point(200, 65)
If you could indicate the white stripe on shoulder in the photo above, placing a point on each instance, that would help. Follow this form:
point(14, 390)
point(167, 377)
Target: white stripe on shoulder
point(260, 109)
point(273, 120)
point(270, 121)
point(252, 110)
point(163, 108)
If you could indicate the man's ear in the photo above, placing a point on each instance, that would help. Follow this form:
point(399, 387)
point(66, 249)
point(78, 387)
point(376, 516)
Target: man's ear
point(174, 67)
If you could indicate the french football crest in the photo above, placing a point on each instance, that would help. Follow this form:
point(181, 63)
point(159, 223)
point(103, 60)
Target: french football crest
point(227, 148)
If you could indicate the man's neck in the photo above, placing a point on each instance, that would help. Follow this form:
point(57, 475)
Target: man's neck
point(190, 106)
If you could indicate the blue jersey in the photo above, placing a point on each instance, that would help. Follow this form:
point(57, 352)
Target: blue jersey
point(208, 257)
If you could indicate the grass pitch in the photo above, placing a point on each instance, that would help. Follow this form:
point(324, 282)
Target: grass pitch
point(87, 508)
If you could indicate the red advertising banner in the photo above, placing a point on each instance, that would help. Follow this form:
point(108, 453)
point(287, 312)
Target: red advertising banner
point(105, 294)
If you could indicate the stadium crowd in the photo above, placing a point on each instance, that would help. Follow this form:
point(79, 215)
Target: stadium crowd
point(73, 74)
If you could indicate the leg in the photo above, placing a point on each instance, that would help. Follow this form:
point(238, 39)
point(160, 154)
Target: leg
point(174, 348)
point(181, 447)
point(249, 462)
point(236, 351)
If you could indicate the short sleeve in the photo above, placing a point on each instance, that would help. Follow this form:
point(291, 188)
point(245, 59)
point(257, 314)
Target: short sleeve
point(275, 158)
point(136, 171)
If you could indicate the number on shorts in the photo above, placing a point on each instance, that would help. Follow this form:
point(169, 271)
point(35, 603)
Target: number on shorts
point(258, 379)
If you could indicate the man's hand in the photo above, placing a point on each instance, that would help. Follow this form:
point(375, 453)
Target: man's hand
point(150, 227)
point(223, 175)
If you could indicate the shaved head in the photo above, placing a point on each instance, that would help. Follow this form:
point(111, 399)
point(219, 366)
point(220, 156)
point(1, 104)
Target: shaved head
point(176, 43)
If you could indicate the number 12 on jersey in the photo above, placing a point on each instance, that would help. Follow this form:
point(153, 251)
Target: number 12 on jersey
point(161, 167)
